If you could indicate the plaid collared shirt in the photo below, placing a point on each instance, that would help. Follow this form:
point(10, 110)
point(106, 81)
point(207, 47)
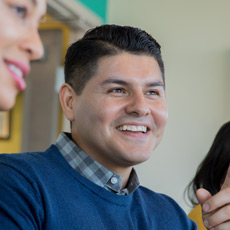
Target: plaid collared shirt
point(91, 169)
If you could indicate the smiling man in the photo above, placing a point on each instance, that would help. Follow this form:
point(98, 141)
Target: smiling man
point(119, 117)
point(114, 97)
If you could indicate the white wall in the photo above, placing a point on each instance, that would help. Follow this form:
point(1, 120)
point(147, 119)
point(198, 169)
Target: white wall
point(195, 39)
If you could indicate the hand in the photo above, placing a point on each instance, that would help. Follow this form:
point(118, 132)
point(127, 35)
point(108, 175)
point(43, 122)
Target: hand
point(216, 209)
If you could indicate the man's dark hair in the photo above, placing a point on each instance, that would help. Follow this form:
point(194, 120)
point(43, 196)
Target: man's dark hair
point(82, 57)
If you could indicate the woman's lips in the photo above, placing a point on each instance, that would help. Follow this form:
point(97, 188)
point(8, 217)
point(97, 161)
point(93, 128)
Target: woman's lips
point(18, 71)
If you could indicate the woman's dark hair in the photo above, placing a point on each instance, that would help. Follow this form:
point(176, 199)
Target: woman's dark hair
point(82, 57)
point(211, 172)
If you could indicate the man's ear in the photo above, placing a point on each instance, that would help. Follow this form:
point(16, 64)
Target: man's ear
point(67, 98)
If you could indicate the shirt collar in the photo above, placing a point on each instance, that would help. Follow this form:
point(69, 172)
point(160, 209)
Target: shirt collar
point(91, 169)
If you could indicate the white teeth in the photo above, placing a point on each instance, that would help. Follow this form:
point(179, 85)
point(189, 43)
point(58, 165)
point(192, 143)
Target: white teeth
point(16, 70)
point(133, 128)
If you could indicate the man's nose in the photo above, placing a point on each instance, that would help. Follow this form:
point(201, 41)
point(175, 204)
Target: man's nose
point(138, 105)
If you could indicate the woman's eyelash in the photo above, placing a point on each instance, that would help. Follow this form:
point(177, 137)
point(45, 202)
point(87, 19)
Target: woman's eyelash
point(20, 10)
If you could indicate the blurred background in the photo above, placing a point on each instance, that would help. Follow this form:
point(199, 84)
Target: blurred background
point(195, 40)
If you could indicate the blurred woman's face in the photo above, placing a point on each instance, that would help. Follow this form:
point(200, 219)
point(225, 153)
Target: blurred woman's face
point(19, 44)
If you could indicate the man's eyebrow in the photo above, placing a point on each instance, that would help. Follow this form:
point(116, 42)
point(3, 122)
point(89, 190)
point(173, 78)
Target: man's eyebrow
point(121, 82)
point(114, 81)
point(154, 84)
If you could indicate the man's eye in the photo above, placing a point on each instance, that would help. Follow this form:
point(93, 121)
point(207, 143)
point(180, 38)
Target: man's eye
point(117, 90)
point(152, 92)
point(20, 11)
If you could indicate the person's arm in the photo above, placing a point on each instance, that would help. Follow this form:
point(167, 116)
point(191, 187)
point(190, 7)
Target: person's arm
point(216, 209)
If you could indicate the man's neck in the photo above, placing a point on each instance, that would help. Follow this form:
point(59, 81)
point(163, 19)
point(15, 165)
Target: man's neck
point(123, 171)
point(125, 174)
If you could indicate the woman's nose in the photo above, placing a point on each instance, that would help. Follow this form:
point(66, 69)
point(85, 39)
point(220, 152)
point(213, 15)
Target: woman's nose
point(33, 44)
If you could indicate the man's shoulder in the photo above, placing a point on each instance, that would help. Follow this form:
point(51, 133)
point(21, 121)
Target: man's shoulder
point(27, 155)
point(28, 160)
point(22, 177)
point(155, 196)
point(166, 208)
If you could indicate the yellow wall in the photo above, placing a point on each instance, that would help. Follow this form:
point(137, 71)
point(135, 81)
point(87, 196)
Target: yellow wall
point(50, 23)
point(14, 143)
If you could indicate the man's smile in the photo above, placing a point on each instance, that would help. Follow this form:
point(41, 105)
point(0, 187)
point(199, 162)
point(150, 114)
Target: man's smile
point(133, 128)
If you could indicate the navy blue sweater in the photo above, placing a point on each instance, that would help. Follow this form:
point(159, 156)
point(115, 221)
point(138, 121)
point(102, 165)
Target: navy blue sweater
point(41, 190)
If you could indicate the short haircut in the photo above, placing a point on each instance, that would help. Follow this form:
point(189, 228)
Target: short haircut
point(81, 61)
